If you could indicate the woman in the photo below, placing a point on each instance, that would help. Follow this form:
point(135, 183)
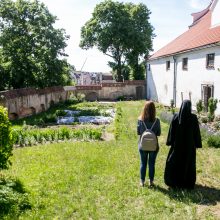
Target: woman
point(184, 137)
point(148, 119)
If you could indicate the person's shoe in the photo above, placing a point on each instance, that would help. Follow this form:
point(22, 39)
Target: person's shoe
point(141, 183)
point(151, 184)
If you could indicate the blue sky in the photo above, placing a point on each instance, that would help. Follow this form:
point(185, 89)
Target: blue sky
point(170, 18)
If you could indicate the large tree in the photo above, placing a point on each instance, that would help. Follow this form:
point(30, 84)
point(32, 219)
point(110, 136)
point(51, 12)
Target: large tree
point(31, 49)
point(121, 31)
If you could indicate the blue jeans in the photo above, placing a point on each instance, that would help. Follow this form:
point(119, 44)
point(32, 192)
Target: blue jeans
point(151, 164)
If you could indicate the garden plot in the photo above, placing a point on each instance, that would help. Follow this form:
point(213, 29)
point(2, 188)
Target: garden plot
point(72, 116)
point(76, 122)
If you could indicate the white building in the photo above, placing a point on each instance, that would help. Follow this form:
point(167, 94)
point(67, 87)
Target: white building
point(189, 66)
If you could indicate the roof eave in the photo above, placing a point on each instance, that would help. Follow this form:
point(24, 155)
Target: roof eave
point(185, 51)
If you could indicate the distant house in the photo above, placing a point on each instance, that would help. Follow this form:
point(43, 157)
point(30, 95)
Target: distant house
point(91, 78)
point(106, 78)
point(189, 66)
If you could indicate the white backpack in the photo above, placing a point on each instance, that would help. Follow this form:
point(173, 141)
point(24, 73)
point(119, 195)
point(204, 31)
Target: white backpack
point(148, 140)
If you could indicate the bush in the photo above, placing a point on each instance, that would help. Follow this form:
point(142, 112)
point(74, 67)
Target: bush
point(204, 119)
point(212, 106)
point(60, 113)
point(13, 198)
point(166, 117)
point(50, 118)
point(74, 99)
point(213, 141)
point(6, 140)
point(216, 125)
point(199, 106)
point(121, 98)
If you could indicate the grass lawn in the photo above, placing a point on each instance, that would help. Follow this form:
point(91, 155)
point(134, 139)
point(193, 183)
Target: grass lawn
point(100, 180)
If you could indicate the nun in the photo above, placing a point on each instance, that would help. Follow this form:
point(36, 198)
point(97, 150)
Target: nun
point(183, 138)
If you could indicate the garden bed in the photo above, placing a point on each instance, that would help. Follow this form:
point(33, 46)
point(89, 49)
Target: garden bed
point(83, 121)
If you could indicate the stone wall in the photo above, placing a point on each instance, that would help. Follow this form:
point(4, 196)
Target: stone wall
point(29, 101)
point(111, 91)
point(25, 102)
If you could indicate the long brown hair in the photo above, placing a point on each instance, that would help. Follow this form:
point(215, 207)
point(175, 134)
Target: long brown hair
point(149, 112)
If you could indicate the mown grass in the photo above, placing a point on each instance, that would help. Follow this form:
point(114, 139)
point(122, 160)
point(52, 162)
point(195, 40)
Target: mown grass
point(100, 180)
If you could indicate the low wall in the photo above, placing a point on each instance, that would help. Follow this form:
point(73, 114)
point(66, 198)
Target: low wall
point(29, 101)
point(111, 91)
point(25, 102)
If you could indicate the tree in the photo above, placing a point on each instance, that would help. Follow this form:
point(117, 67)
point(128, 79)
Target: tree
point(30, 47)
point(119, 30)
point(6, 143)
point(141, 44)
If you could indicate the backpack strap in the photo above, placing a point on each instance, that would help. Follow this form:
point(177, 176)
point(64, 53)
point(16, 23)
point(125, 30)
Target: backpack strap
point(145, 126)
point(153, 124)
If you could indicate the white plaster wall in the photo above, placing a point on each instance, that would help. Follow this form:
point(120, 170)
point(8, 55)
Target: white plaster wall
point(160, 81)
point(187, 81)
point(216, 15)
point(197, 74)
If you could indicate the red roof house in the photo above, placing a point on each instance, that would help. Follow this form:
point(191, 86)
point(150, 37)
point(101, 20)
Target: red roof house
point(189, 66)
point(200, 34)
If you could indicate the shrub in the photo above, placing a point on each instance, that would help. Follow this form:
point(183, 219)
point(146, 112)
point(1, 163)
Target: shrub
point(121, 98)
point(204, 119)
point(213, 141)
point(60, 113)
point(199, 106)
point(13, 198)
point(212, 105)
point(166, 117)
point(50, 118)
point(6, 139)
point(80, 97)
point(216, 125)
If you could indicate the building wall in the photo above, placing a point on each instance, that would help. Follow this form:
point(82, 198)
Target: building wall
point(216, 15)
point(160, 81)
point(188, 83)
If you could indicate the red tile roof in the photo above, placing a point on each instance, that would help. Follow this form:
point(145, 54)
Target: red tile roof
point(199, 35)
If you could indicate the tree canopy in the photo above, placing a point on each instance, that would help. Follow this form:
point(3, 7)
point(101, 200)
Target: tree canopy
point(121, 31)
point(31, 49)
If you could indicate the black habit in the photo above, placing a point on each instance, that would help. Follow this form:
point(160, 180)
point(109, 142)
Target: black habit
point(184, 137)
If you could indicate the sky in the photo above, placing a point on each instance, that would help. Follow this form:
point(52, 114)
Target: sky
point(170, 18)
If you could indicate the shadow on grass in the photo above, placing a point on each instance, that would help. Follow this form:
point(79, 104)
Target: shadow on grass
point(13, 197)
point(203, 195)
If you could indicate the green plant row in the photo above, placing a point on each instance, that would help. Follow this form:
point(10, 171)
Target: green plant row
point(29, 137)
point(118, 122)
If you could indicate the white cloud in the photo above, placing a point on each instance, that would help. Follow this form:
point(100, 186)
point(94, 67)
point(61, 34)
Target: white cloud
point(199, 4)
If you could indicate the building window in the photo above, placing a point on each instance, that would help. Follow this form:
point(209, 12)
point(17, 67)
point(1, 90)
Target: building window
point(185, 63)
point(168, 65)
point(210, 59)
